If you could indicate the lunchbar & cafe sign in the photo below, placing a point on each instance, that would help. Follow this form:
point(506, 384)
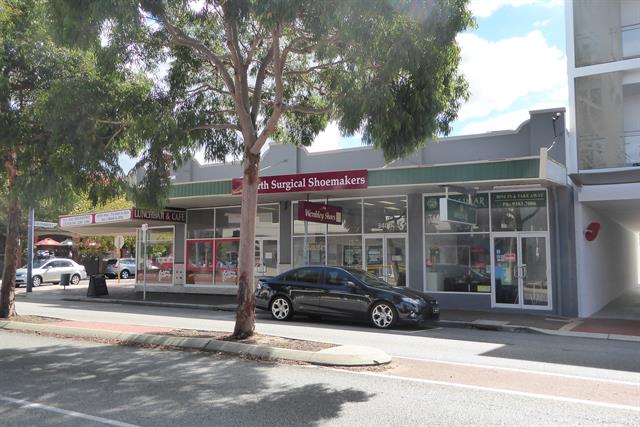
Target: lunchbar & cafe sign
point(318, 212)
point(122, 215)
point(308, 182)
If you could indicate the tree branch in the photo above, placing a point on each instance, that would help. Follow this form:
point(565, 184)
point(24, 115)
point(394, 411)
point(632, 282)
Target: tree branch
point(279, 95)
point(257, 93)
point(314, 68)
point(306, 109)
point(181, 38)
point(216, 126)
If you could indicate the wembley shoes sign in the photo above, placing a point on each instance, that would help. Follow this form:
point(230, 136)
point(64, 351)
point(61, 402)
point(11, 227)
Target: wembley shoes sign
point(308, 182)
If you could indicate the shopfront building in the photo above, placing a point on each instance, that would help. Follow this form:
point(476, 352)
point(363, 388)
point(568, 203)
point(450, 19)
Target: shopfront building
point(510, 251)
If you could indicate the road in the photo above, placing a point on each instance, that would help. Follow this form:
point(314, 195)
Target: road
point(518, 378)
point(61, 382)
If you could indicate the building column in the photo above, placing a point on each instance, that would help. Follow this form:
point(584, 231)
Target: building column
point(415, 233)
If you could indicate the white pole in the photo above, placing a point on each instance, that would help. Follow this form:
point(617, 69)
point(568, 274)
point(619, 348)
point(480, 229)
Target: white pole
point(145, 227)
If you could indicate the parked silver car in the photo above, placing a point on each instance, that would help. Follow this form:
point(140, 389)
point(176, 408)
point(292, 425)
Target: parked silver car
point(127, 268)
point(51, 270)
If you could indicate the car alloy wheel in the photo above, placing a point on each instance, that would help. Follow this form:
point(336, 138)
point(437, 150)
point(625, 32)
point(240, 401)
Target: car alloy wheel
point(281, 308)
point(124, 274)
point(75, 279)
point(383, 315)
point(36, 281)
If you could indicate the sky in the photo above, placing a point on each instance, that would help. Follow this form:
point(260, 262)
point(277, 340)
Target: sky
point(515, 61)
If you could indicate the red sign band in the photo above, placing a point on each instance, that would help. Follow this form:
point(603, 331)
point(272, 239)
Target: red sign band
point(308, 182)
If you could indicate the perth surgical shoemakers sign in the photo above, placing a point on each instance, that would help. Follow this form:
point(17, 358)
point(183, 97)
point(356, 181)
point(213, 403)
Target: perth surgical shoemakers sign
point(308, 182)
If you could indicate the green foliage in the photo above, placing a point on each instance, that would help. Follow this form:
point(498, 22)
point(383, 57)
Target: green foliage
point(57, 112)
point(84, 205)
point(387, 68)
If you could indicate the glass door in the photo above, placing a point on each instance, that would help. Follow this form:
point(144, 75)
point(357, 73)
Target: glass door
point(386, 257)
point(521, 271)
point(535, 285)
point(266, 256)
point(374, 256)
point(505, 270)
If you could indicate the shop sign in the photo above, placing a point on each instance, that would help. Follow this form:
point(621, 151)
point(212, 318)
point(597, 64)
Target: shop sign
point(456, 211)
point(113, 216)
point(480, 201)
point(45, 224)
point(318, 212)
point(170, 216)
point(308, 182)
point(70, 221)
point(519, 199)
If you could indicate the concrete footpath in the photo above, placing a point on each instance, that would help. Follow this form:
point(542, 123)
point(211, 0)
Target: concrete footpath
point(344, 355)
point(598, 328)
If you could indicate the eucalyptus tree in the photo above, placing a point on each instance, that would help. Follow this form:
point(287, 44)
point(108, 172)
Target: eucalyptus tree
point(243, 72)
point(56, 136)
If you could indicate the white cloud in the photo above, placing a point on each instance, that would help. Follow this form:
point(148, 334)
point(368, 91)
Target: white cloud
point(542, 23)
point(484, 8)
point(327, 139)
point(512, 119)
point(503, 72)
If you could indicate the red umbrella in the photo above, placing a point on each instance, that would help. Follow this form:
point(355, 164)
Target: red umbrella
point(48, 242)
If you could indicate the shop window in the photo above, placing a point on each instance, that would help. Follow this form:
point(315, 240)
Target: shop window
point(159, 261)
point(200, 224)
point(458, 263)
point(345, 251)
point(199, 262)
point(385, 215)
point(519, 211)
point(226, 269)
point(432, 214)
point(351, 217)
point(316, 255)
point(228, 222)
point(268, 221)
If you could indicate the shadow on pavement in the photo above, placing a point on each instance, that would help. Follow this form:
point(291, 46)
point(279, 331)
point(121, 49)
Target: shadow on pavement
point(163, 387)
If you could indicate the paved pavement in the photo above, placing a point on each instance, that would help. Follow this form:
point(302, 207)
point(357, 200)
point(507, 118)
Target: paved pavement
point(600, 327)
point(54, 382)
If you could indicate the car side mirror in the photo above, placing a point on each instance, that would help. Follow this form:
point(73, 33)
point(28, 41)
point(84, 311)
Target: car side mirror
point(351, 285)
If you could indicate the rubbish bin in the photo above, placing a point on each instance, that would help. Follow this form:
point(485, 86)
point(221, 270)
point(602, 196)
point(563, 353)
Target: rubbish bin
point(97, 286)
point(65, 279)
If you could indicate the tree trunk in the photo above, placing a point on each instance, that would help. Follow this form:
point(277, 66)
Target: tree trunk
point(12, 245)
point(246, 312)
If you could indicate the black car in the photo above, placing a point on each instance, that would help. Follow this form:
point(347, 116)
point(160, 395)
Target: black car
point(342, 292)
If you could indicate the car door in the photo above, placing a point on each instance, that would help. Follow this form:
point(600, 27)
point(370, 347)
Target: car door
point(67, 267)
point(304, 284)
point(52, 272)
point(342, 296)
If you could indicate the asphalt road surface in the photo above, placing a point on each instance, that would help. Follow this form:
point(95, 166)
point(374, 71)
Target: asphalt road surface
point(62, 382)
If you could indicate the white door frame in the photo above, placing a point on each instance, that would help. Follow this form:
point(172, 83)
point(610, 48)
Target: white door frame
point(519, 235)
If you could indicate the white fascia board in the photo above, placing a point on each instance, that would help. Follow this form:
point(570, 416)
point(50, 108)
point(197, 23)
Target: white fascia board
point(598, 193)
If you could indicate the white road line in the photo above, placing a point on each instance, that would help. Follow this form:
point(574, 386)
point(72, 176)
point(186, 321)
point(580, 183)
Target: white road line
point(526, 371)
point(496, 390)
point(27, 404)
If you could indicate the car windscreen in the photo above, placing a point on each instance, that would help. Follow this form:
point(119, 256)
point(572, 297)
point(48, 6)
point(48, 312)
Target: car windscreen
point(368, 278)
